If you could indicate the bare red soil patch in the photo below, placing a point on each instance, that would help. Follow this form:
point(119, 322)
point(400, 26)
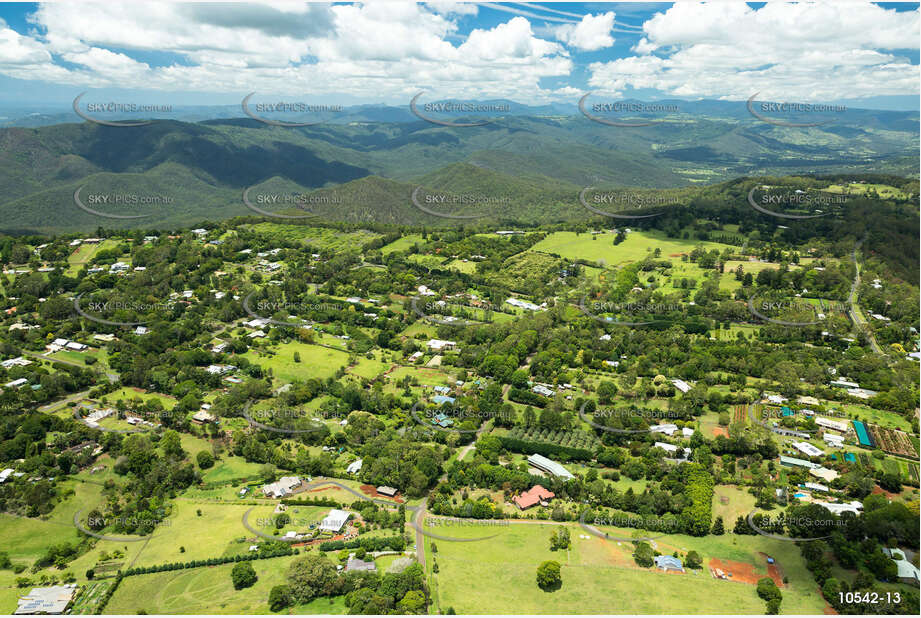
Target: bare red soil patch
point(744, 572)
point(720, 431)
point(371, 490)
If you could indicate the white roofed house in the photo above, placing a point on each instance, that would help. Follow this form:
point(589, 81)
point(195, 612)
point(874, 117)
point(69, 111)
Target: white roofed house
point(681, 385)
point(282, 487)
point(334, 520)
point(354, 467)
point(549, 466)
point(808, 449)
point(667, 428)
point(441, 344)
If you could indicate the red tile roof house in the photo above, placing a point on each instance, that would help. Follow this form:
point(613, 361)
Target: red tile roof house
point(533, 496)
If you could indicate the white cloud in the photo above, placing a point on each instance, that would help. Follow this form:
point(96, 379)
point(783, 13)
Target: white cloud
point(590, 34)
point(804, 52)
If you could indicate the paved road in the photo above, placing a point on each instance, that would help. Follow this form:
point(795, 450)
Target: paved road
point(64, 402)
point(856, 315)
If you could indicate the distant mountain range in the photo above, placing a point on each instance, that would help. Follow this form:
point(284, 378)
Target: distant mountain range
point(374, 157)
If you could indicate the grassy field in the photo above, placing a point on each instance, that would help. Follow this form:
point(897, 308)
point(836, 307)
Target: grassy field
point(230, 467)
point(208, 590)
point(85, 253)
point(316, 362)
point(600, 577)
point(127, 393)
point(857, 188)
point(402, 244)
point(636, 246)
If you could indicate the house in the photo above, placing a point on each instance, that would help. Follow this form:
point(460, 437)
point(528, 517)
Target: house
point(15, 362)
point(354, 564)
point(668, 563)
point(201, 417)
point(522, 304)
point(415, 356)
point(776, 399)
point(219, 348)
point(141, 330)
point(540, 389)
point(17, 383)
point(826, 474)
point(833, 440)
point(687, 432)
point(665, 446)
point(103, 337)
point(842, 383)
point(681, 385)
point(549, 466)
point(77, 347)
point(281, 487)
point(808, 449)
point(828, 423)
point(440, 344)
point(119, 267)
point(801, 463)
point(666, 428)
point(816, 487)
point(47, 600)
point(256, 334)
point(387, 491)
point(334, 520)
point(5, 474)
point(837, 508)
point(535, 495)
point(354, 467)
point(424, 291)
point(908, 573)
point(443, 399)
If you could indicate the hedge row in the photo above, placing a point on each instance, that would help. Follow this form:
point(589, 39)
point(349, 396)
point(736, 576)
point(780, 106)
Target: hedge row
point(192, 564)
point(396, 543)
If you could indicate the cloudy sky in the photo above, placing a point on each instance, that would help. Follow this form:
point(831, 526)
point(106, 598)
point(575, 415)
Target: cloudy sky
point(863, 54)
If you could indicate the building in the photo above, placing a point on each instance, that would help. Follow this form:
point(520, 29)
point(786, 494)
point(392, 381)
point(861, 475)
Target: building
point(837, 508)
point(826, 474)
point(522, 304)
point(17, 383)
point(103, 337)
point(334, 520)
point(439, 345)
point(535, 495)
point(387, 491)
point(281, 487)
point(354, 564)
point(863, 436)
point(665, 446)
point(828, 423)
point(201, 417)
point(842, 383)
point(668, 563)
point(15, 362)
point(49, 600)
point(908, 573)
point(540, 389)
point(354, 467)
point(681, 385)
point(667, 428)
point(800, 463)
point(77, 347)
point(5, 475)
point(549, 466)
point(832, 439)
point(789, 432)
point(816, 487)
point(808, 449)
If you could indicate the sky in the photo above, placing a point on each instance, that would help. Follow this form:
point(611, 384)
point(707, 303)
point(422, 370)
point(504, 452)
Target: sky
point(859, 53)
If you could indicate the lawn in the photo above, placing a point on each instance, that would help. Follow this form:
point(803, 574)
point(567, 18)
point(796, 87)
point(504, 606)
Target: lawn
point(230, 467)
point(637, 246)
point(127, 393)
point(208, 590)
point(402, 244)
point(316, 361)
point(320, 238)
point(600, 577)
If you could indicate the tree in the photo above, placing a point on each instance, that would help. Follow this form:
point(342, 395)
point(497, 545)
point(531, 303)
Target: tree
point(693, 560)
point(311, 576)
point(643, 554)
point(548, 575)
point(279, 598)
point(559, 539)
point(718, 526)
point(243, 575)
point(205, 459)
point(412, 603)
point(171, 443)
